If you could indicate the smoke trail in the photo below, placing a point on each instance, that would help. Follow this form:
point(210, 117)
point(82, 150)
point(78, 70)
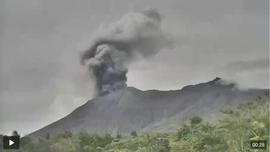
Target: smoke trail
point(114, 46)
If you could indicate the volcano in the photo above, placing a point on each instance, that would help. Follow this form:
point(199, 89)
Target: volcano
point(131, 109)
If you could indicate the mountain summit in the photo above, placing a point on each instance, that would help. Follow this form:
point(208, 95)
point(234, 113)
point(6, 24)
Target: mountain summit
point(131, 109)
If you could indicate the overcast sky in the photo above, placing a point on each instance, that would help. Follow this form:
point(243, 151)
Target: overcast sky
point(41, 79)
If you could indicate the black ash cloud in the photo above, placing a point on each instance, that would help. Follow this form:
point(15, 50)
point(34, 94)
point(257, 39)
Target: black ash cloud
point(114, 46)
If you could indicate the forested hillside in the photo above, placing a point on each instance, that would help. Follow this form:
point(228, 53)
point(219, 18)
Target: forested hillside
point(232, 133)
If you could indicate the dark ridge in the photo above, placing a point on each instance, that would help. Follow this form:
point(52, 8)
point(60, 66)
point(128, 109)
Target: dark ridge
point(216, 79)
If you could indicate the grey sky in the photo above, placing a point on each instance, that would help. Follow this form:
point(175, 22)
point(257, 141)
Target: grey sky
point(41, 80)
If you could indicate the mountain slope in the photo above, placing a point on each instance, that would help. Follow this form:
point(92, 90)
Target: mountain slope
point(131, 109)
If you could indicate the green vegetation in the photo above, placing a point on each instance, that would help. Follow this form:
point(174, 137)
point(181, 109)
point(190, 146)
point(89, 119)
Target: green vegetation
point(232, 133)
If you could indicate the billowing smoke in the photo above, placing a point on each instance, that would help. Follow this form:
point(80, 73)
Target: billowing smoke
point(116, 45)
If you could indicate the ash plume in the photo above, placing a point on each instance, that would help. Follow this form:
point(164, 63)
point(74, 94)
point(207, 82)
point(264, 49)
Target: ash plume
point(116, 45)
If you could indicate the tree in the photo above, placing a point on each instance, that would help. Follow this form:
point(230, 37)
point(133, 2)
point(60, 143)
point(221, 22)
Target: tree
point(65, 145)
point(1, 138)
point(15, 133)
point(195, 120)
point(134, 134)
point(118, 135)
point(47, 136)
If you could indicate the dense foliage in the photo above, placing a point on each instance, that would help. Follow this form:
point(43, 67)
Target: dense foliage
point(232, 133)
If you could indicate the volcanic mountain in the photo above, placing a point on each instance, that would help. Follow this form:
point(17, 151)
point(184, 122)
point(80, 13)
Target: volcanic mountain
point(131, 109)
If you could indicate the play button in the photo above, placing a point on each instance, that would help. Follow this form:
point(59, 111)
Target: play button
point(11, 142)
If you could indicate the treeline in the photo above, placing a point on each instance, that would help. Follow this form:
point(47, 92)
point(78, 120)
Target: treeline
point(232, 133)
